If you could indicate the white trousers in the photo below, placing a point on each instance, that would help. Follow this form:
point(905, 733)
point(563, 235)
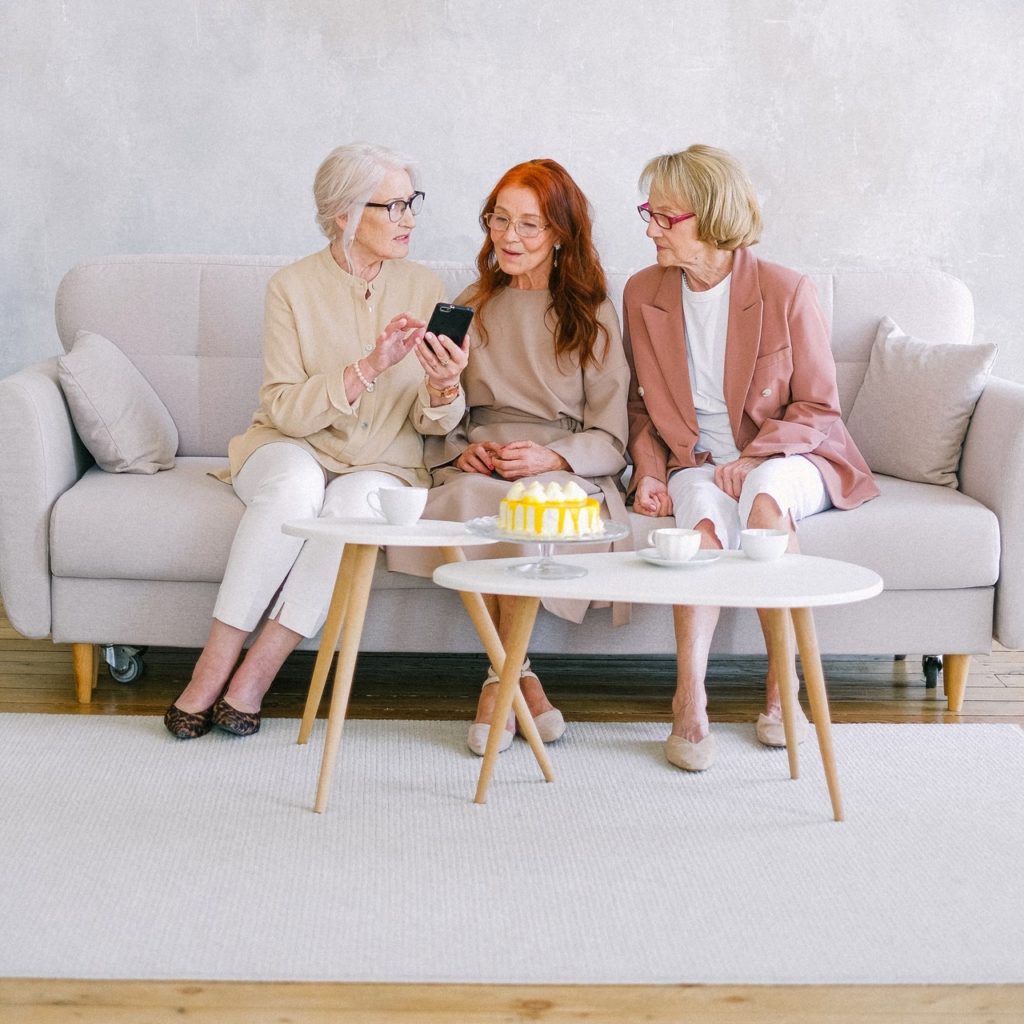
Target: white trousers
point(793, 482)
point(278, 482)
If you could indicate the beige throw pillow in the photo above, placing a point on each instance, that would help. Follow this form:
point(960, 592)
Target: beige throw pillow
point(911, 414)
point(117, 414)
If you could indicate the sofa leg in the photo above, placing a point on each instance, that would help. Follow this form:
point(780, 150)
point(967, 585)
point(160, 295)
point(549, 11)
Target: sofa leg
point(954, 679)
point(86, 661)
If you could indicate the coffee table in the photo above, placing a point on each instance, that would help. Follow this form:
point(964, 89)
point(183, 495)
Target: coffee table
point(787, 589)
point(347, 612)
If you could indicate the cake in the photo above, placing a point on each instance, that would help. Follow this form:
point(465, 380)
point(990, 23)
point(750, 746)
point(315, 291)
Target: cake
point(549, 513)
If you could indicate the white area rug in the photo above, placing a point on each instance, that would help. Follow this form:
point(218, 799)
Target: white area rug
point(127, 854)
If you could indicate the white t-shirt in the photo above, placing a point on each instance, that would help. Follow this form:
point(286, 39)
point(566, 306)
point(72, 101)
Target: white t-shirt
point(706, 318)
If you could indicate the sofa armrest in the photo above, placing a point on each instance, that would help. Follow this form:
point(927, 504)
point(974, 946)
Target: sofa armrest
point(992, 472)
point(40, 458)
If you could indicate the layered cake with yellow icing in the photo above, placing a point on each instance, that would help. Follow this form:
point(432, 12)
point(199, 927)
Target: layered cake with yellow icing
point(549, 513)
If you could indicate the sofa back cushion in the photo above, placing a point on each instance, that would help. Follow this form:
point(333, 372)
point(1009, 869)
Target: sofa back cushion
point(193, 325)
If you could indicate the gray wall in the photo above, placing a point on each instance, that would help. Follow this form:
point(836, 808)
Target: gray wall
point(881, 132)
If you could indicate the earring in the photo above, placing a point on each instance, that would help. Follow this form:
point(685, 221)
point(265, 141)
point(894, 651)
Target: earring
point(558, 246)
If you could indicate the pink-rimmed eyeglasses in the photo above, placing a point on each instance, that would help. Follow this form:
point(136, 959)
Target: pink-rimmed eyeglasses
point(663, 220)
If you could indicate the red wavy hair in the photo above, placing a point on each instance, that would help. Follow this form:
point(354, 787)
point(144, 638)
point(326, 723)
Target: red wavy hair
point(577, 284)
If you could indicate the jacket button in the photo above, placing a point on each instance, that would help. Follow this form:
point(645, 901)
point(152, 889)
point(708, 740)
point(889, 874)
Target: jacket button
point(640, 392)
point(766, 392)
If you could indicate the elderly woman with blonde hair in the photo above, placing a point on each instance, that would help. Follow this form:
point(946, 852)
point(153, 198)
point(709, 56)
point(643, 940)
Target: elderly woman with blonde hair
point(351, 383)
point(734, 416)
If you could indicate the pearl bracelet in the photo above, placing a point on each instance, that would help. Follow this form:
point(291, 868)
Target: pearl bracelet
point(368, 384)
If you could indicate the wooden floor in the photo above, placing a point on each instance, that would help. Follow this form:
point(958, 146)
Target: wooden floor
point(35, 676)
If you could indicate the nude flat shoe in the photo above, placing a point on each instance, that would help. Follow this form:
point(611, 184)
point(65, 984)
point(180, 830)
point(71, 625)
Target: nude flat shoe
point(772, 733)
point(476, 740)
point(691, 757)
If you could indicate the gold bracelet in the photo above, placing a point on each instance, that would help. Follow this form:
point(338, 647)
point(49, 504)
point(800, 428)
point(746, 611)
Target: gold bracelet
point(448, 393)
point(368, 384)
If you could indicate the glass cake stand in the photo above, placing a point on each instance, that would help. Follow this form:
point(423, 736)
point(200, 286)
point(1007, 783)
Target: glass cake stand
point(545, 567)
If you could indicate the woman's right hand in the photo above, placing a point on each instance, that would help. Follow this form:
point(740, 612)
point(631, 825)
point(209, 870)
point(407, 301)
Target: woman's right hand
point(402, 334)
point(477, 458)
point(652, 497)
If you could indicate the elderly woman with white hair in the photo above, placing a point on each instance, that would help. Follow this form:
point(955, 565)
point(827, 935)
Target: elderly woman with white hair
point(734, 416)
point(351, 383)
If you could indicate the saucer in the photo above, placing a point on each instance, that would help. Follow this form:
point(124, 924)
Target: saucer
point(705, 557)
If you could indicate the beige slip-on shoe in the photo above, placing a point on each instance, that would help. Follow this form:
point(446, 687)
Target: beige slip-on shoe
point(691, 757)
point(772, 733)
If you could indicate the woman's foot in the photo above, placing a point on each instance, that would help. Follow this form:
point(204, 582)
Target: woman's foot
point(547, 718)
point(234, 720)
point(481, 727)
point(772, 733)
point(691, 757)
point(184, 725)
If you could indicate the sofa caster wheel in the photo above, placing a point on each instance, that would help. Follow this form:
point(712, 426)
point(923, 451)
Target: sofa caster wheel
point(124, 663)
point(931, 665)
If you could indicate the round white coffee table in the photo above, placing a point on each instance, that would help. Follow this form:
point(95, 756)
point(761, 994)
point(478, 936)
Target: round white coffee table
point(787, 589)
point(347, 611)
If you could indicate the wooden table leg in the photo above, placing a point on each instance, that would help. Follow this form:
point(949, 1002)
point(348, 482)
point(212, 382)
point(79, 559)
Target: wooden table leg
point(781, 655)
point(810, 657)
point(328, 640)
point(362, 578)
point(524, 614)
point(484, 624)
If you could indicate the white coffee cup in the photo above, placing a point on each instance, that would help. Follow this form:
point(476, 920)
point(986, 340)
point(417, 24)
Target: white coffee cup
point(400, 506)
point(675, 545)
point(764, 545)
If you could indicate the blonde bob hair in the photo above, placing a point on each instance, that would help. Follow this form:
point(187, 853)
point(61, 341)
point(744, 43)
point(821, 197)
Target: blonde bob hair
point(714, 185)
point(345, 181)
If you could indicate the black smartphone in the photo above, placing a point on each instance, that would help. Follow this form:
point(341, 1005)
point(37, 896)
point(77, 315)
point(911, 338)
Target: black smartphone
point(451, 321)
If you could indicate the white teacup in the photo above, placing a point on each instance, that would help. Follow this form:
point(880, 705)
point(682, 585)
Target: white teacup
point(675, 545)
point(764, 545)
point(400, 506)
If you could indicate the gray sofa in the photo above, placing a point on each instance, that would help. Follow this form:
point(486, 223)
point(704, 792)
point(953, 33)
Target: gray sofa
point(95, 558)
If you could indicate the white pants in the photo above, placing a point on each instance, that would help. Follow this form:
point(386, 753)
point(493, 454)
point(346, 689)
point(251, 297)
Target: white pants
point(793, 482)
point(278, 482)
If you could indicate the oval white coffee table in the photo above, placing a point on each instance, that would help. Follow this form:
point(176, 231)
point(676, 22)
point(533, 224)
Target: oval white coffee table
point(787, 589)
point(347, 611)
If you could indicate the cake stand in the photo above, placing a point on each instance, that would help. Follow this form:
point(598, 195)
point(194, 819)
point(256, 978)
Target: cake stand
point(545, 567)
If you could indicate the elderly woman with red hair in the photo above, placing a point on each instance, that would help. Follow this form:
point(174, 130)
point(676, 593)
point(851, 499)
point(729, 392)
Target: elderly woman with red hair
point(546, 384)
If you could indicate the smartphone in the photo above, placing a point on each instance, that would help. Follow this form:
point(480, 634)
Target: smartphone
point(451, 321)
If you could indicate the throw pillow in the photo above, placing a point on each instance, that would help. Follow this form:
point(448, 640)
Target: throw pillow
point(117, 414)
point(911, 414)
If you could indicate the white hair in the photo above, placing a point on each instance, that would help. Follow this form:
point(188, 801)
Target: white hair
point(345, 181)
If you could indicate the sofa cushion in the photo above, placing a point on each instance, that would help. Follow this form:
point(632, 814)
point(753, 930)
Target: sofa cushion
point(117, 414)
point(915, 536)
point(912, 412)
point(176, 525)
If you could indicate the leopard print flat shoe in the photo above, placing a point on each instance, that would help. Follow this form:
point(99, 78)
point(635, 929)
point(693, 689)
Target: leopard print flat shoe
point(188, 726)
point(240, 723)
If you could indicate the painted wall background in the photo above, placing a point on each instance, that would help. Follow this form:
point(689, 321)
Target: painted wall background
point(882, 132)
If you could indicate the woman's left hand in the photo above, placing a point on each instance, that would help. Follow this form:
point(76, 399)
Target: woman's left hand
point(442, 360)
point(517, 459)
point(730, 476)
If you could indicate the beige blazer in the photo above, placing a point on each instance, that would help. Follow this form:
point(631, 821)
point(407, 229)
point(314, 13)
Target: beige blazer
point(780, 377)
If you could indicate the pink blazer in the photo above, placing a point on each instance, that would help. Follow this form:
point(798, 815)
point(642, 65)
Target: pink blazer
point(780, 377)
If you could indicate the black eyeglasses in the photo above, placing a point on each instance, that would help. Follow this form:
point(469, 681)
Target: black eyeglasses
point(663, 220)
point(397, 207)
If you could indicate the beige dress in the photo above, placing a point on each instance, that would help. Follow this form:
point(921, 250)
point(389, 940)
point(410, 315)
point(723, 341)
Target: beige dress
point(318, 320)
point(517, 390)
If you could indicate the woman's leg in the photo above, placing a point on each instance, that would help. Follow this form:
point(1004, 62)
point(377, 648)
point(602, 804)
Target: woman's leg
point(278, 482)
point(775, 496)
point(301, 606)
